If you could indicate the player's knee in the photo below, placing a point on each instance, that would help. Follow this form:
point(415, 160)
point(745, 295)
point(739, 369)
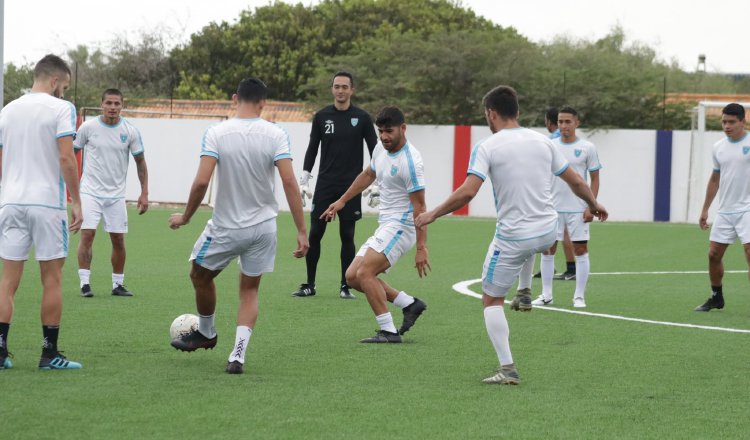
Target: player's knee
point(714, 256)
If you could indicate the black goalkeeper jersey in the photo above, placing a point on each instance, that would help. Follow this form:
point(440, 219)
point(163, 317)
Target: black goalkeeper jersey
point(340, 134)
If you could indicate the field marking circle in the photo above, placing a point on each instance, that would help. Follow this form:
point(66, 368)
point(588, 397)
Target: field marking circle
point(462, 287)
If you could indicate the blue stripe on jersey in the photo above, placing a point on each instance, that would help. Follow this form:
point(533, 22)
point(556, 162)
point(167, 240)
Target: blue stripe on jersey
point(473, 156)
point(72, 117)
point(282, 156)
point(140, 139)
point(418, 188)
point(478, 174)
point(405, 217)
point(393, 242)
point(65, 237)
point(562, 170)
point(412, 169)
point(67, 133)
point(288, 141)
point(62, 192)
point(210, 153)
point(491, 267)
point(202, 252)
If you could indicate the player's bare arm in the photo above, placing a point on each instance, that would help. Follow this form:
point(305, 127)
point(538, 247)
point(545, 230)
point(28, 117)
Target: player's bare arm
point(712, 188)
point(460, 197)
point(69, 169)
point(363, 180)
point(594, 175)
point(294, 199)
point(140, 165)
point(583, 191)
point(421, 260)
point(197, 192)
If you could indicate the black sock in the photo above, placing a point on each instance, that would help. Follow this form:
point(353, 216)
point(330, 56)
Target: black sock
point(4, 328)
point(571, 266)
point(717, 290)
point(50, 333)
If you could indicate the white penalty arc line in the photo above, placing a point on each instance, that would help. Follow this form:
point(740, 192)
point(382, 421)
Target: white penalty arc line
point(462, 287)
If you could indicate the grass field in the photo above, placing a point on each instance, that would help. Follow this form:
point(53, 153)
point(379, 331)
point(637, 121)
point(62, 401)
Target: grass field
point(308, 377)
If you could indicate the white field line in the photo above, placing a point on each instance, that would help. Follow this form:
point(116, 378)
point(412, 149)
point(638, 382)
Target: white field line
point(462, 287)
point(667, 272)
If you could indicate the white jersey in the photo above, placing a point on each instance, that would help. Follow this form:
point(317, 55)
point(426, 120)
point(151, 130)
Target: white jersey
point(732, 160)
point(29, 129)
point(398, 175)
point(106, 149)
point(521, 164)
point(247, 151)
point(582, 156)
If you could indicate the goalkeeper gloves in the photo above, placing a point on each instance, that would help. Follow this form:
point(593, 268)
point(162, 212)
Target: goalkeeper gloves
point(373, 195)
point(304, 187)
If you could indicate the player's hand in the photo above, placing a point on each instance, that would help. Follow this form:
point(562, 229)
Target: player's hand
point(599, 212)
point(373, 195)
point(424, 219)
point(422, 263)
point(176, 220)
point(330, 214)
point(303, 245)
point(76, 218)
point(304, 187)
point(588, 217)
point(703, 221)
point(142, 204)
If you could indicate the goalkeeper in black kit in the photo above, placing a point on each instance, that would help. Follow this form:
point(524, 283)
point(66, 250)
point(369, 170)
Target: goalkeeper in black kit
point(339, 129)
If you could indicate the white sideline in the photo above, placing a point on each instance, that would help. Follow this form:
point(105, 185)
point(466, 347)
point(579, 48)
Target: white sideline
point(462, 287)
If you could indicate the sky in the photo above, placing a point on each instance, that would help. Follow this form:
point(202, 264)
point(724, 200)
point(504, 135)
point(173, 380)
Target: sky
point(679, 30)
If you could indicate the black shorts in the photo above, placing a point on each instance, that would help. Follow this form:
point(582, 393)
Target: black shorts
point(323, 199)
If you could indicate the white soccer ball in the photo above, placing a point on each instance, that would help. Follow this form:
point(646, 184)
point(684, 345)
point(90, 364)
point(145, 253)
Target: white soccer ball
point(183, 325)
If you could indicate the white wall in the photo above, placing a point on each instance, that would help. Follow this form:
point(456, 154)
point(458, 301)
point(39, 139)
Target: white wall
point(627, 179)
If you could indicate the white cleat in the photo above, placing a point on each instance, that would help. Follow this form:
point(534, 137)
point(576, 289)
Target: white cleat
point(541, 301)
point(579, 303)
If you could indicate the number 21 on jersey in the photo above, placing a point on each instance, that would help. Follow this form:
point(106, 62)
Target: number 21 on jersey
point(329, 127)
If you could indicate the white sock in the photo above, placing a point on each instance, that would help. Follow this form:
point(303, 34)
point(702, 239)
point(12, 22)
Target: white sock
point(497, 329)
point(548, 270)
point(117, 278)
point(527, 271)
point(385, 321)
point(582, 274)
point(84, 275)
point(206, 325)
point(403, 300)
point(241, 341)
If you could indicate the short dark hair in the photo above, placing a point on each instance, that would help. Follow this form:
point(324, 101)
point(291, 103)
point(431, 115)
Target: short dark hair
point(113, 92)
point(568, 109)
point(50, 65)
point(252, 90)
point(346, 74)
point(734, 109)
point(390, 116)
point(503, 100)
point(551, 114)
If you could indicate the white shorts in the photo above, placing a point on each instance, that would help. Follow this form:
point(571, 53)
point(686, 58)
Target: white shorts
point(114, 211)
point(727, 228)
point(22, 226)
point(392, 240)
point(577, 229)
point(255, 246)
point(504, 260)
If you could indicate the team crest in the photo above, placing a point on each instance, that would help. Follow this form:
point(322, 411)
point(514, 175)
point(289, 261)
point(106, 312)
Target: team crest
point(355, 121)
point(745, 150)
point(578, 152)
point(394, 170)
point(123, 137)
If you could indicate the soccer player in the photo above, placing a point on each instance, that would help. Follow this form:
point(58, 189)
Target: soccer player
point(397, 166)
point(339, 130)
point(574, 215)
point(521, 164)
point(731, 180)
point(107, 141)
point(244, 150)
point(36, 137)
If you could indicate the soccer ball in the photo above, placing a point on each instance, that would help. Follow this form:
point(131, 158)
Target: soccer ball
point(183, 325)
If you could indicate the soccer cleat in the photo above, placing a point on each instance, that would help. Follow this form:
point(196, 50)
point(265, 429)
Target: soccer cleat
point(505, 375)
point(345, 293)
point(57, 362)
point(5, 362)
point(538, 274)
point(234, 367)
point(120, 290)
point(193, 341)
point(579, 303)
point(86, 291)
point(541, 300)
point(522, 301)
point(565, 276)
point(304, 290)
point(713, 302)
point(411, 313)
point(383, 337)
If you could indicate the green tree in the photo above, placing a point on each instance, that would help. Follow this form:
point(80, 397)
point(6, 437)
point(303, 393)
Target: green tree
point(17, 80)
